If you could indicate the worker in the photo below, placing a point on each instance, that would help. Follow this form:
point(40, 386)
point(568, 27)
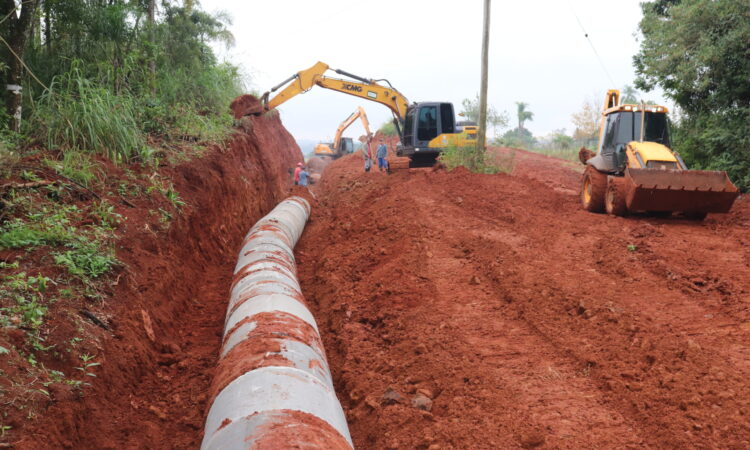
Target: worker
point(297, 171)
point(303, 177)
point(381, 153)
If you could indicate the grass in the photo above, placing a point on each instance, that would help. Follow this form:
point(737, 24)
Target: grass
point(474, 160)
point(76, 165)
point(568, 154)
point(76, 114)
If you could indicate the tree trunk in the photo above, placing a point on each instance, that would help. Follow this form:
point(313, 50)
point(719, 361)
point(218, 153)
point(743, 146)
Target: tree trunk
point(17, 34)
point(152, 38)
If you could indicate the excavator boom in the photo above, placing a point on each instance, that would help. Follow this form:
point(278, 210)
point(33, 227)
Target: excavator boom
point(305, 80)
point(336, 149)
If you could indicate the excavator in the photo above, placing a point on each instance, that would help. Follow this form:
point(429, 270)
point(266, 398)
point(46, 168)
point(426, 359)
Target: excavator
point(635, 170)
point(424, 128)
point(344, 145)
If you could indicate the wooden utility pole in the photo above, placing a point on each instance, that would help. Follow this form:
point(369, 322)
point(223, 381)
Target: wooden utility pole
point(482, 133)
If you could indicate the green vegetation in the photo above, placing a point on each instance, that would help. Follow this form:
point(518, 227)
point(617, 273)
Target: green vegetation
point(103, 76)
point(474, 159)
point(388, 129)
point(495, 119)
point(696, 52)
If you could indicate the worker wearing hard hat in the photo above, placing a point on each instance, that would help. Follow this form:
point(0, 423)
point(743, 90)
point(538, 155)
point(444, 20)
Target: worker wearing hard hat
point(297, 170)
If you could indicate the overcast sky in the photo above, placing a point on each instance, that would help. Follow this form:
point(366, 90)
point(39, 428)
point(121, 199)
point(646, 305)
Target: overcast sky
point(430, 51)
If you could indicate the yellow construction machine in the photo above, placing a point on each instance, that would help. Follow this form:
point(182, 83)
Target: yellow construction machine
point(424, 128)
point(635, 170)
point(344, 145)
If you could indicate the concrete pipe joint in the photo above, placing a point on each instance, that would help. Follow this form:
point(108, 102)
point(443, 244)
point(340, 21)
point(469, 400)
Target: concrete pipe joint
point(272, 387)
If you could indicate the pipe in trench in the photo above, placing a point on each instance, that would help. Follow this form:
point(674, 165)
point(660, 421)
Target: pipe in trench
point(273, 387)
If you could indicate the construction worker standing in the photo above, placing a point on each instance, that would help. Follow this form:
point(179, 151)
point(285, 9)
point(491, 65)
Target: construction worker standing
point(303, 177)
point(381, 153)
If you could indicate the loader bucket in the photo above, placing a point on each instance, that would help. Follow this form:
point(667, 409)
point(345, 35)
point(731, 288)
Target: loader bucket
point(691, 191)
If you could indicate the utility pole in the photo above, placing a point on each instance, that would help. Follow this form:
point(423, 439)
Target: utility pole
point(482, 134)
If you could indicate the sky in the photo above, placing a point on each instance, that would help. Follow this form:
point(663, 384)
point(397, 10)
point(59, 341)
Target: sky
point(430, 51)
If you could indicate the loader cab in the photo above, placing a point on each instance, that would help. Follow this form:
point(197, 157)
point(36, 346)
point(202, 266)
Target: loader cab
point(624, 126)
point(424, 122)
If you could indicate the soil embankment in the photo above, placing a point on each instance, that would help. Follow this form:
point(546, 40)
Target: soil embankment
point(489, 311)
point(166, 313)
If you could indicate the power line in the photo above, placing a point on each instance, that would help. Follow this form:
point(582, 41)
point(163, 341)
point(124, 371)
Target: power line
point(591, 43)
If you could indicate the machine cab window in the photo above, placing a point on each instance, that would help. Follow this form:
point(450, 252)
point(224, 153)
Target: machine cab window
point(427, 123)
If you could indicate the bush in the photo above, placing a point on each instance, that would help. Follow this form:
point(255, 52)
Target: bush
point(473, 159)
point(388, 129)
point(76, 114)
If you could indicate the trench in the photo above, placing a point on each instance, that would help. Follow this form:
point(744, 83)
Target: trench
point(170, 299)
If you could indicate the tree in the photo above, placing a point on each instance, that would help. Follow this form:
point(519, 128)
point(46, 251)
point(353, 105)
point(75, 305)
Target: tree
point(587, 121)
point(15, 33)
point(629, 95)
point(522, 114)
point(470, 110)
point(696, 52)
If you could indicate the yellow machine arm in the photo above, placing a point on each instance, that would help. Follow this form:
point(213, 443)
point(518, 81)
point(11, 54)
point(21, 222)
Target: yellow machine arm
point(368, 89)
point(359, 113)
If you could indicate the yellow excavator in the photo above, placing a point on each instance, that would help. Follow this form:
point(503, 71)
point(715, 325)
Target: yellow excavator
point(344, 145)
point(635, 170)
point(424, 128)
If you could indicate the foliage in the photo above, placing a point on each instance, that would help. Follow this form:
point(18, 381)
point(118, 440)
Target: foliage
point(388, 129)
point(114, 76)
point(77, 114)
point(78, 166)
point(517, 138)
point(523, 114)
point(470, 110)
point(587, 121)
point(86, 260)
point(473, 158)
point(629, 94)
point(697, 53)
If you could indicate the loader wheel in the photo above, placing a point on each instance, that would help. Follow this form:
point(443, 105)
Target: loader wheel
point(614, 201)
point(593, 190)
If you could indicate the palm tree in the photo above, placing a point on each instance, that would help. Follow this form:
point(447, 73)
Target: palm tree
point(629, 94)
point(523, 115)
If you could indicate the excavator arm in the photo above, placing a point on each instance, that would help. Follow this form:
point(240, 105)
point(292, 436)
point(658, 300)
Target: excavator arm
point(314, 76)
point(359, 113)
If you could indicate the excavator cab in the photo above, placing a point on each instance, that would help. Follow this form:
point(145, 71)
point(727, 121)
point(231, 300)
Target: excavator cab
point(346, 146)
point(423, 124)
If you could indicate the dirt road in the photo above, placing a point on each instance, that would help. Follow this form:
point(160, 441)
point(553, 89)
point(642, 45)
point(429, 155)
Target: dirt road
point(489, 311)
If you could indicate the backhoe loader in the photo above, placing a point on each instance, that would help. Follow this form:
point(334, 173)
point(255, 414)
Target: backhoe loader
point(635, 170)
point(424, 128)
point(344, 145)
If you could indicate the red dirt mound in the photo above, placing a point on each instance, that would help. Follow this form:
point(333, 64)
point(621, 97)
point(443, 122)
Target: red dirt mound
point(168, 306)
point(489, 311)
point(245, 105)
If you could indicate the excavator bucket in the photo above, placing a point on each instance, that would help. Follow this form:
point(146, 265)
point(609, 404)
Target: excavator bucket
point(690, 191)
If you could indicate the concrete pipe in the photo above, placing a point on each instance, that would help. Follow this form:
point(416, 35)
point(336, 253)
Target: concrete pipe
point(272, 387)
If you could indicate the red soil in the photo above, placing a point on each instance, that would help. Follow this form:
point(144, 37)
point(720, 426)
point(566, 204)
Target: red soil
point(167, 307)
point(490, 311)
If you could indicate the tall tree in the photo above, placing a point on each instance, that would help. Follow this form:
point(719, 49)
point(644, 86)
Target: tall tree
point(523, 114)
point(470, 110)
point(15, 32)
point(587, 119)
point(629, 95)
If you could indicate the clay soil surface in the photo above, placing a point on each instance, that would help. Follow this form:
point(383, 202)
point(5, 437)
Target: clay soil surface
point(489, 311)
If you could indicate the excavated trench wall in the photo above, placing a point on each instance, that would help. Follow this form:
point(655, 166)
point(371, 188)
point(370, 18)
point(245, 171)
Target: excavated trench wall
point(168, 304)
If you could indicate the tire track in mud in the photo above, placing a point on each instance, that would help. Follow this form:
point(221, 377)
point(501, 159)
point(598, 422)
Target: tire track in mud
point(526, 321)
